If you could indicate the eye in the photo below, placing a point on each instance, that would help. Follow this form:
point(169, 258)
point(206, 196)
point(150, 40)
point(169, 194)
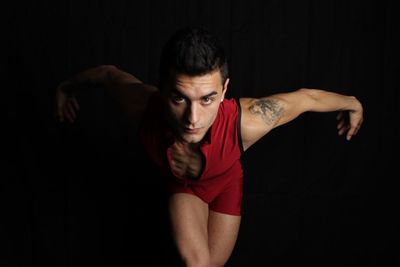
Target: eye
point(177, 99)
point(207, 100)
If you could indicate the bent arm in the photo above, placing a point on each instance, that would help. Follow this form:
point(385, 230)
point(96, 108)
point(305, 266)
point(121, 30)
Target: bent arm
point(261, 115)
point(125, 88)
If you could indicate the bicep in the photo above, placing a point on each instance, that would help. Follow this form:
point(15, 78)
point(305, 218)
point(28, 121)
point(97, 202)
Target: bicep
point(261, 115)
point(258, 117)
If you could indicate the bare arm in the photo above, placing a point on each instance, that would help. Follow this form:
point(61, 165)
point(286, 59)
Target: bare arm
point(129, 91)
point(261, 115)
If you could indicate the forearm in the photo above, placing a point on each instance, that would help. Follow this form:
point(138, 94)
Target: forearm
point(126, 89)
point(281, 108)
point(325, 101)
point(106, 76)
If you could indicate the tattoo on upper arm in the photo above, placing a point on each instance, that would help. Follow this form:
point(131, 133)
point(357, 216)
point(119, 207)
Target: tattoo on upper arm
point(269, 110)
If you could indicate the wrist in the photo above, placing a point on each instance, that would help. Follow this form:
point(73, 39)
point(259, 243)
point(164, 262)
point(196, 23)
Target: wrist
point(355, 105)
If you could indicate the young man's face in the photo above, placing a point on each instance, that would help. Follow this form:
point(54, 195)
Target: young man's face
point(193, 103)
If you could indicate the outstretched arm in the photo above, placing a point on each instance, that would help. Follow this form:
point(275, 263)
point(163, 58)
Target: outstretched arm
point(129, 91)
point(261, 115)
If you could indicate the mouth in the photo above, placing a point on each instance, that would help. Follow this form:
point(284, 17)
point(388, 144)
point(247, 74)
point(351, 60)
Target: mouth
point(191, 130)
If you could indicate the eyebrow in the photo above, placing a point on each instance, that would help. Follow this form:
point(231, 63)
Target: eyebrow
point(210, 94)
point(175, 91)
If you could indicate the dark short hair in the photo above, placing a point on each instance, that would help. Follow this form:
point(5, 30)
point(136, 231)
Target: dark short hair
point(194, 52)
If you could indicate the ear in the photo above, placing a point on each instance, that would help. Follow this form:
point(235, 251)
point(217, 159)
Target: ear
point(224, 89)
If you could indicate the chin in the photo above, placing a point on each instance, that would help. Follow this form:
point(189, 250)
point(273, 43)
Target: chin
point(192, 139)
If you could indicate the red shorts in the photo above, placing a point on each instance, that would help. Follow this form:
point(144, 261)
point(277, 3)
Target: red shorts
point(223, 193)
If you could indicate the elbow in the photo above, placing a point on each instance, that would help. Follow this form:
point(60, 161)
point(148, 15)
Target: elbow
point(311, 93)
point(308, 94)
point(310, 99)
point(106, 68)
point(107, 72)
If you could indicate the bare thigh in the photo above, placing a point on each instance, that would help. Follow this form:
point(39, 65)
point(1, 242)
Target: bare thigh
point(223, 230)
point(202, 235)
point(189, 222)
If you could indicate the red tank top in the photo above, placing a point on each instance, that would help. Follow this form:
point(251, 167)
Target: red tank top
point(221, 146)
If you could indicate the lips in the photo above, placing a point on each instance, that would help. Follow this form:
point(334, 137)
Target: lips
point(191, 130)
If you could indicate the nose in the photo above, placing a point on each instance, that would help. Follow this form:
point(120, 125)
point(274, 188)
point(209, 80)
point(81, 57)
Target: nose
point(192, 114)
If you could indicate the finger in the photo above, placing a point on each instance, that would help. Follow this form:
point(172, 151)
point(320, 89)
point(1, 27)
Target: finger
point(342, 130)
point(359, 124)
point(69, 118)
point(356, 131)
point(340, 124)
point(357, 128)
point(58, 111)
point(68, 115)
point(178, 156)
point(339, 116)
point(60, 115)
point(177, 159)
point(176, 167)
point(350, 133)
point(71, 110)
point(60, 105)
point(75, 103)
point(177, 149)
point(177, 152)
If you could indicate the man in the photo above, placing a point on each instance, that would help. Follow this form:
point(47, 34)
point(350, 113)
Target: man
point(197, 136)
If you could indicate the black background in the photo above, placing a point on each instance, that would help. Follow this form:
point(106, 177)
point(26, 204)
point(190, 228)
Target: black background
point(84, 195)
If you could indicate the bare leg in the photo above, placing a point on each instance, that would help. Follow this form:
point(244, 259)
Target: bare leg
point(204, 238)
point(222, 234)
point(189, 220)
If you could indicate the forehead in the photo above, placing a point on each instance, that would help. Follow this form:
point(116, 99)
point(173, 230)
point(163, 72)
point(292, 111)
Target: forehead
point(210, 81)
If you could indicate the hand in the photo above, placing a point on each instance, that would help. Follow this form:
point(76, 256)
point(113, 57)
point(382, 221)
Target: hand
point(186, 160)
point(66, 104)
point(350, 121)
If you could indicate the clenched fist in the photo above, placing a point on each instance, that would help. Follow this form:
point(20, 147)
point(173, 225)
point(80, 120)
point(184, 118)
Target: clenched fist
point(187, 160)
